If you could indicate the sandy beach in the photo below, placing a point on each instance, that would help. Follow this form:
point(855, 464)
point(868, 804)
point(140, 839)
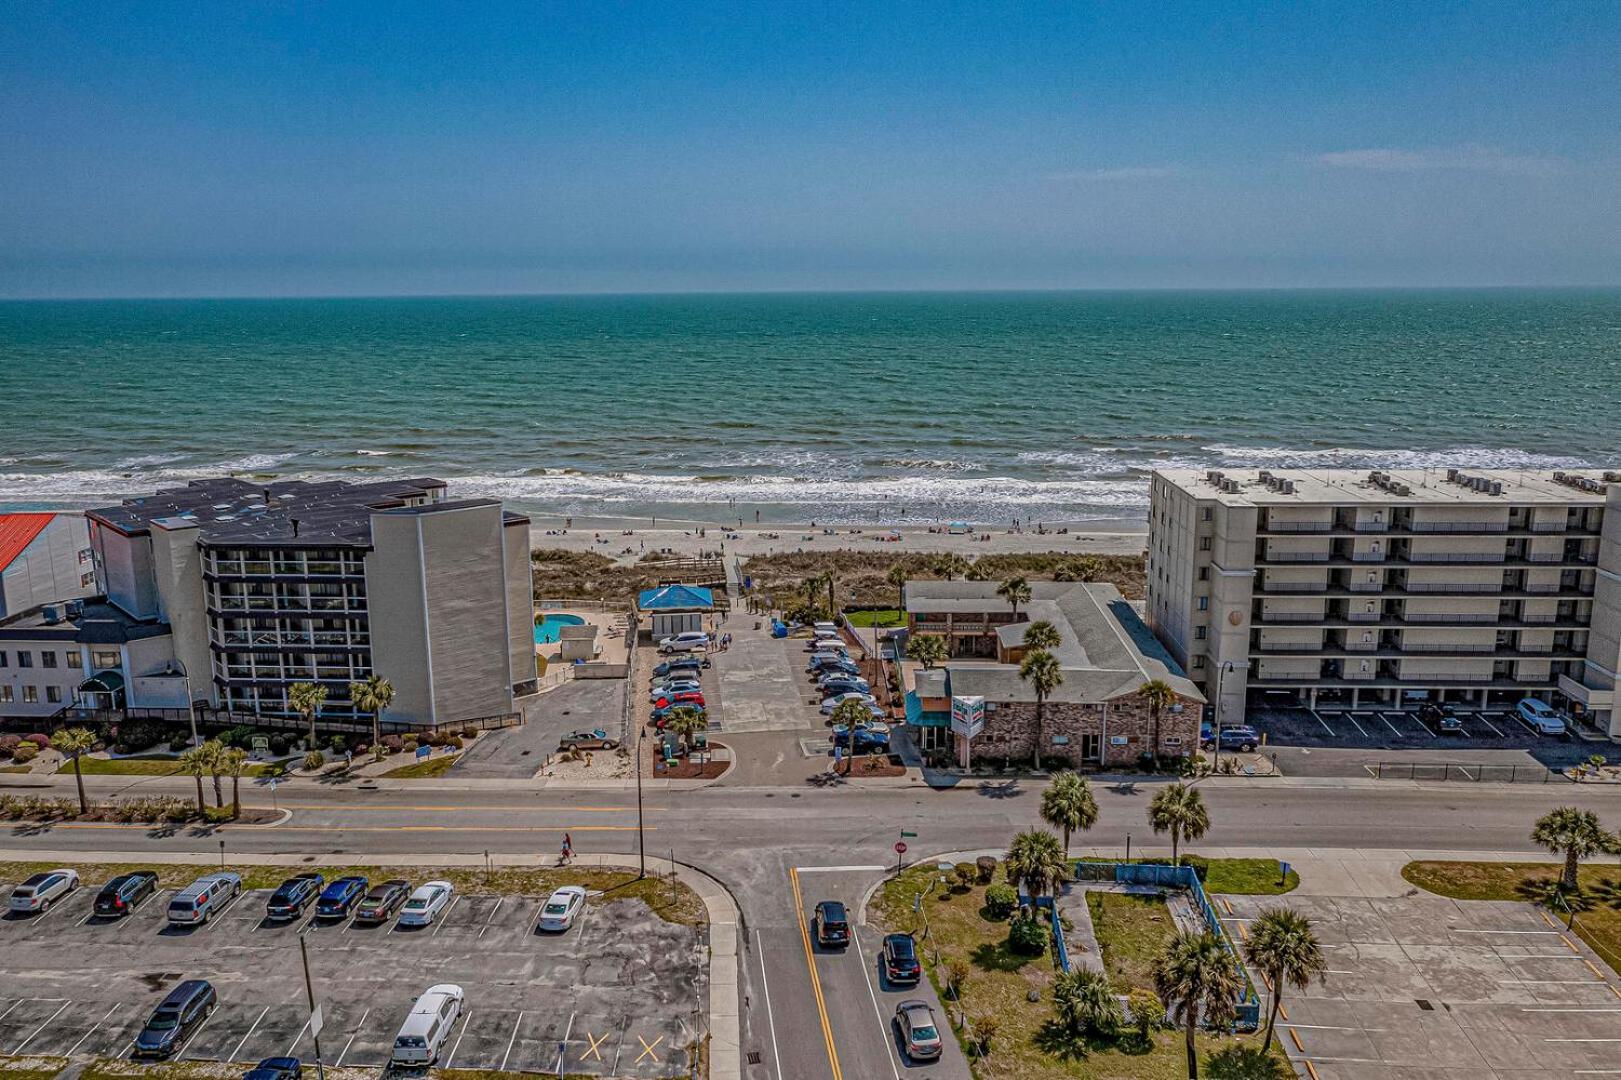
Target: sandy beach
point(627, 540)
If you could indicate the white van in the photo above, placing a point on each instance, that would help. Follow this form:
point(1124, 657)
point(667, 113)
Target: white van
point(823, 628)
point(427, 1027)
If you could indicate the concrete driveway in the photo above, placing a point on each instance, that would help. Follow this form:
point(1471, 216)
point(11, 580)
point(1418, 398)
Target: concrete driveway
point(518, 753)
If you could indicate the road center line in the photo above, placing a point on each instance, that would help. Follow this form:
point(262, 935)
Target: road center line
point(816, 982)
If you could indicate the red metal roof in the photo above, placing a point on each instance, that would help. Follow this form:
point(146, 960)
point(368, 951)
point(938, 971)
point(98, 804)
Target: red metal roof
point(17, 531)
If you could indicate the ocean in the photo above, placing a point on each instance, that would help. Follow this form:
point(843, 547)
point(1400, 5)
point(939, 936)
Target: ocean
point(843, 408)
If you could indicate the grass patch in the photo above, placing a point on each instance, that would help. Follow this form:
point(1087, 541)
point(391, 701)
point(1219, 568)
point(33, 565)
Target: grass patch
point(1132, 929)
point(153, 766)
point(15, 768)
point(1252, 877)
point(670, 900)
point(884, 617)
point(421, 770)
point(1027, 1044)
point(31, 1068)
point(1597, 901)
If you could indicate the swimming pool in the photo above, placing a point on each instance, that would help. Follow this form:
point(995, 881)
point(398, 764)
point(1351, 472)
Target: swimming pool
point(546, 630)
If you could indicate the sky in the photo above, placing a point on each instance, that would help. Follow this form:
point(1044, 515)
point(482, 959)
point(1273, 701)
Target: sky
point(283, 149)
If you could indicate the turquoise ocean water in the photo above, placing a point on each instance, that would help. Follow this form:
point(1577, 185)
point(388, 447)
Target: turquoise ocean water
point(829, 407)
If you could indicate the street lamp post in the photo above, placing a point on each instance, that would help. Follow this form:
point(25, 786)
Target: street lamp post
point(1230, 665)
point(630, 720)
point(191, 709)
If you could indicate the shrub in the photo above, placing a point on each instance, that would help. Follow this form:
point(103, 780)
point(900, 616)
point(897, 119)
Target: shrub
point(140, 735)
point(40, 741)
point(216, 815)
point(278, 746)
point(10, 742)
point(339, 744)
point(985, 866)
point(314, 760)
point(180, 744)
point(409, 746)
point(1000, 901)
point(985, 1027)
point(5, 753)
point(25, 753)
point(1147, 1012)
point(241, 735)
point(178, 812)
point(469, 733)
point(962, 876)
point(957, 972)
point(393, 743)
point(432, 738)
point(453, 742)
point(1027, 934)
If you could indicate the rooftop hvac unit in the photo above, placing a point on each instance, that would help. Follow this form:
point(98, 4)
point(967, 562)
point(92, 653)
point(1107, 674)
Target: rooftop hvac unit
point(1612, 478)
point(1374, 477)
point(1214, 476)
point(1497, 487)
point(1558, 476)
point(1288, 487)
point(1265, 475)
point(75, 608)
point(52, 614)
point(1452, 476)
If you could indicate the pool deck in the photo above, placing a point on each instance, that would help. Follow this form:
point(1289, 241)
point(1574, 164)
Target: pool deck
point(610, 634)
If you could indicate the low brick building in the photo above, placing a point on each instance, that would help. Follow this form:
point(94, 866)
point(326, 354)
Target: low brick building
point(1097, 716)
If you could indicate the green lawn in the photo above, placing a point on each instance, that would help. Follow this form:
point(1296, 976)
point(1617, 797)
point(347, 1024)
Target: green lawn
point(1132, 930)
point(1027, 1045)
point(1597, 902)
point(884, 617)
point(1253, 877)
point(436, 766)
point(15, 769)
point(151, 766)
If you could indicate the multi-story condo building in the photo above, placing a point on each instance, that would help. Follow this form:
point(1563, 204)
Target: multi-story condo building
point(263, 586)
point(1389, 589)
point(44, 558)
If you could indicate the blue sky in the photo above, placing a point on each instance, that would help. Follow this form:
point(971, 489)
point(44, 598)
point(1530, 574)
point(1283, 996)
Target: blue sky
point(279, 149)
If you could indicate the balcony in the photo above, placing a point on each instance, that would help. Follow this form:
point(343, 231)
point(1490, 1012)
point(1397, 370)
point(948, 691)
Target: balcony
point(1457, 557)
point(1298, 587)
point(1590, 697)
point(1286, 557)
point(1368, 556)
point(1297, 526)
point(1458, 527)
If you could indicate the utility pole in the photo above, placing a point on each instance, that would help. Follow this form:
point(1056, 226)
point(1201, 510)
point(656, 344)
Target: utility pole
point(636, 748)
point(315, 1013)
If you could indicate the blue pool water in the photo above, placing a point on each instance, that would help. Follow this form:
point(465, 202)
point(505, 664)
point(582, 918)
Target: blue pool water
point(546, 630)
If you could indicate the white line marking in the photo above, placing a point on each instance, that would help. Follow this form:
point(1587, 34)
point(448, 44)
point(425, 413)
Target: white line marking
point(1549, 982)
point(466, 1016)
point(1545, 933)
point(181, 1052)
point(92, 1030)
point(1482, 718)
point(249, 1035)
point(297, 1037)
point(1329, 1027)
point(838, 869)
point(14, 1004)
point(771, 1019)
point(512, 1040)
point(1565, 1009)
point(440, 920)
point(41, 1028)
point(877, 1013)
point(562, 1047)
point(1393, 728)
point(498, 902)
point(345, 1051)
point(1320, 720)
point(1583, 1040)
point(1359, 727)
point(1420, 722)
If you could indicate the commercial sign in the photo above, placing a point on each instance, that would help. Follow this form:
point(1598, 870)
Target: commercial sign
point(967, 716)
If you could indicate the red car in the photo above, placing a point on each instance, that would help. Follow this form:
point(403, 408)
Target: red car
point(691, 697)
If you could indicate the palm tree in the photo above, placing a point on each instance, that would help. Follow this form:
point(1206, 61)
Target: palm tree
point(1195, 976)
point(373, 696)
point(1016, 591)
point(951, 566)
point(1081, 568)
point(1574, 833)
point(214, 760)
point(1282, 946)
point(1042, 634)
point(1040, 669)
point(1085, 1004)
point(234, 760)
point(1068, 805)
point(1180, 811)
point(306, 700)
point(926, 649)
point(686, 722)
point(194, 762)
point(1035, 862)
point(71, 742)
point(1160, 696)
point(897, 578)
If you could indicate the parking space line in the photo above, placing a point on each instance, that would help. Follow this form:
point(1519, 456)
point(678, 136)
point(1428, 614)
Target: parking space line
point(1352, 717)
point(1419, 720)
point(181, 1052)
point(1482, 718)
point(41, 1028)
point(439, 923)
point(1317, 717)
point(771, 1017)
point(514, 1039)
point(878, 1014)
point(54, 908)
point(297, 1037)
point(92, 1030)
point(466, 1016)
point(219, 916)
point(14, 1004)
point(1394, 730)
point(249, 1035)
point(498, 902)
point(351, 1040)
point(562, 1047)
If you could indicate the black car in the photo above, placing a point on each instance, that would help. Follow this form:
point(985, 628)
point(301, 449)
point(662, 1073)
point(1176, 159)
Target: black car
point(900, 959)
point(340, 897)
point(175, 1018)
point(1432, 711)
point(383, 901)
point(276, 1068)
point(690, 663)
point(832, 924)
point(834, 687)
point(293, 896)
point(823, 665)
point(120, 895)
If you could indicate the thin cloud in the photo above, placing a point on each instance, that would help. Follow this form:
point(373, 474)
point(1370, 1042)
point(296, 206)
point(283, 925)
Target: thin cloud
point(1123, 172)
point(1470, 158)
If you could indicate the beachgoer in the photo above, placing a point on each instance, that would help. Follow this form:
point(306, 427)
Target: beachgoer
point(568, 847)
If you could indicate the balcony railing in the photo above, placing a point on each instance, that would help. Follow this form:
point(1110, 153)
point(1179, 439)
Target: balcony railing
point(1297, 586)
point(1370, 527)
point(1291, 616)
point(317, 638)
point(1298, 526)
point(1457, 526)
point(1297, 556)
point(1367, 556)
point(1457, 557)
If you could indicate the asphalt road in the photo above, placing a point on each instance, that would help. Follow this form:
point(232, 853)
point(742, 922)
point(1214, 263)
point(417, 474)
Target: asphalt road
point(756, 840)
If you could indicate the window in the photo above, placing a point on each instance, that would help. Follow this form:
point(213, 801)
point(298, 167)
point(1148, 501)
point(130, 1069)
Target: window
point(84, 555)
point(1199, 632)
point(47, 658)
point(25, 658)
point(3, 659)
point(5, 695)
point(1209, 513)
point(70, 658)
point(87, 580)
point(30, 695)
point(105, 659)
point(53, 694)
point(1204, 573)
point(1204, 603)
point(1204, 543)
point(1198, 663)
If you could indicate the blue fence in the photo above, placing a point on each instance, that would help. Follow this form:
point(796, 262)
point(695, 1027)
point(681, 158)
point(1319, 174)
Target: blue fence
point(1060, 948)
point(1248, 1009)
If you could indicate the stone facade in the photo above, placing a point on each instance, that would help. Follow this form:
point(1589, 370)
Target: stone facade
point(1010, 730)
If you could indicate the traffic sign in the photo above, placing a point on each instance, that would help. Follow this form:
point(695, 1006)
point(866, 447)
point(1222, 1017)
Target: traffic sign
point(905, 833)
point(900, 847)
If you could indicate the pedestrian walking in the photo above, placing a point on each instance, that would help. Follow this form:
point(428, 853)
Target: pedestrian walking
point(568, 849)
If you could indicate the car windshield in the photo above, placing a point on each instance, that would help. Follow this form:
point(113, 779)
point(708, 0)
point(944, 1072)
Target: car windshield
point(902, 948)
point(556, 908)
point(924, 1032)
point(164, 1021)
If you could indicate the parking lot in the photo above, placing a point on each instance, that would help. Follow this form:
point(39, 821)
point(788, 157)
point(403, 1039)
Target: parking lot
point(616, 995)
point(1423, 986)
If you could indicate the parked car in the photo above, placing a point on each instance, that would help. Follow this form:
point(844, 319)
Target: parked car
point(293, 896)
point(920, 1035)
point(833, 667)
point(561, 908)
point(587, 740)
point(686, 697)
point(1239, 737)
point(382, 902)
point(198, 902)
point(340, 898)
point(427, 903)
point(1540, 717)
point(831, 703)
point(844, 684)
point(276, 1068)
point(684, 642)
point(868, 739)
point(1443, 716)
point(120, 895)
point(428, 1025)
point(40, 891)
point(661, 716)
point(827, 644)
point(175, 1019)
point(900, 959)
point(674, 686)
point(832, 924)
point(680, 663)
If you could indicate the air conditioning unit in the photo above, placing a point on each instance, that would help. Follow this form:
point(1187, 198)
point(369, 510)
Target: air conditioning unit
point(51, 613)
point(1452, 476)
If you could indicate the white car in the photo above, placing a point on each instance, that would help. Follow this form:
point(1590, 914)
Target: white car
point(685, 642)
point(834, 645)
point(829, 704)
point(428, 1025)
point(426, 903)
point(679, 686)
point(1540, 717)
point(561, 908)
point(39, 892)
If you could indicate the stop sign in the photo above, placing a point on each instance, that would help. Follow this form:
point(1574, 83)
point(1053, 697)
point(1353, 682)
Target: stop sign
point(900, 847)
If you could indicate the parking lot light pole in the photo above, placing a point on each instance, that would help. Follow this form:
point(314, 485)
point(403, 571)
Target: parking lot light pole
point(309, 992)
point(1220, 672)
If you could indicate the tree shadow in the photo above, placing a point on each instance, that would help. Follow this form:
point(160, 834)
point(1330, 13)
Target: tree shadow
point(1000, 789)
point(1056, 1040)
point(998, 957)
point(1606, 891)
point(1243, 1063)
point(1549, 894)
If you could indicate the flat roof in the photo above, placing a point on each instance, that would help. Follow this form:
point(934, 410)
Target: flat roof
point(1424, 486)
point(234, 512)
point(98, 623)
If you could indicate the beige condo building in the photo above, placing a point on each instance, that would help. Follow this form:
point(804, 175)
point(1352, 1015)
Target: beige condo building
point(1389, 589)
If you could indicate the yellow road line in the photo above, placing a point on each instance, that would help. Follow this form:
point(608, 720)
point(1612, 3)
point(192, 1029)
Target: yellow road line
point(1593, 968)
point(816, 983)
point(1616, 990)
point(385, 828)
point(1547, 920)
point(1571, 943)
point(1296, 1038)
point(1312, 1069)
point(342, 809)
point(1283, 1010)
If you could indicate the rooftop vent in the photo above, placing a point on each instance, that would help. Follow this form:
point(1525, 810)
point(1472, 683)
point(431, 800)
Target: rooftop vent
point(51, 614)
point(1215, 477)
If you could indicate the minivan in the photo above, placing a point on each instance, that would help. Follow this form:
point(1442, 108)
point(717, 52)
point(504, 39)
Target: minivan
point(685, 642)
point(175, 1018)
point(428, 1026)
point(197, 902)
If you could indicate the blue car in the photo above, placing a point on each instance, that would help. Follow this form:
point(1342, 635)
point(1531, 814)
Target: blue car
point(293, 896)
point(867, 740)
point(276, 1068)
point(340, 897)
point(1239, 737)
